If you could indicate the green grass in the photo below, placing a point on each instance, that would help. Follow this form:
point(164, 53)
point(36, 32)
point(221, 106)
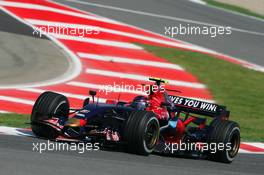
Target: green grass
point(14, 120)
point(240, 89)
point(234, 8)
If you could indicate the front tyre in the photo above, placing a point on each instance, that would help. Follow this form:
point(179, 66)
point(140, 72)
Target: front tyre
point(227, 133)
point(48, 105)
point(141, 132)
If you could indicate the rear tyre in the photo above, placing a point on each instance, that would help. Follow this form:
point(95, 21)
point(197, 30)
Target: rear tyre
point(141, 132)
point(48, 105)
point(227, 133)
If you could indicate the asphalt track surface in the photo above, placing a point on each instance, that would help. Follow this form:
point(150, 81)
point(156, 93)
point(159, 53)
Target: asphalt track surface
point(18, 157)
point(27, 58)
point(240, 44)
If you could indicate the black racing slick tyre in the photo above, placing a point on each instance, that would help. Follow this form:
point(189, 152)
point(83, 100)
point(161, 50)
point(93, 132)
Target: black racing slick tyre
point(48, 105)
point(226, 133)
point(141, 132)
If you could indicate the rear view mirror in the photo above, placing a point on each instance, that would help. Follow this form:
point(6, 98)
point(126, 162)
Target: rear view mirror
point(92, 93)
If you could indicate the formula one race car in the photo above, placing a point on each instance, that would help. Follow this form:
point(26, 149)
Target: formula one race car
point(159, 123)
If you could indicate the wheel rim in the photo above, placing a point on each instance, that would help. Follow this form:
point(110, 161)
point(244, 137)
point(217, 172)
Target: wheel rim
point(235, 143)
point(61, 110)
point(151, 135)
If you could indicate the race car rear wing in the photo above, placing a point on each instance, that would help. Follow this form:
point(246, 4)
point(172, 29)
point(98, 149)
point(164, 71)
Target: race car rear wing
point(199, 107)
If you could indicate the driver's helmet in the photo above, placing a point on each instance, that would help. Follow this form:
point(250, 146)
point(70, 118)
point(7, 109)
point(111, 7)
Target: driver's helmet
point(139, 103)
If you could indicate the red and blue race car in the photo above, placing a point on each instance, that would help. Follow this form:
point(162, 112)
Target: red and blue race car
point(158, 122)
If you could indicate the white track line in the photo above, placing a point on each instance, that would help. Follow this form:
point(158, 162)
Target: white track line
point(129, 61)
point(198, 2)
point(141, 78)
point(15, 131)
point(70, 95)
point(244, 151)
point(51, 9)
point(4, 112)
point(161, 16)
point(103, 87)
point(17, 100)
point(97, 41)
point(256, 144)
point(121, 33)
point(97, 87)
